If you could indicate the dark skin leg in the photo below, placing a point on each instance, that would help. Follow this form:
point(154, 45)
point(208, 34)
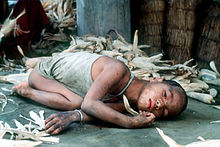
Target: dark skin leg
point(48, 92)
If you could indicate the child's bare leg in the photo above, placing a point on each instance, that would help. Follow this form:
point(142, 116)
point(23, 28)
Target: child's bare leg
point(48, 92)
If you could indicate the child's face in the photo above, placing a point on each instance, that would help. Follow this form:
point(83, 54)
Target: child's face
point(161, 99)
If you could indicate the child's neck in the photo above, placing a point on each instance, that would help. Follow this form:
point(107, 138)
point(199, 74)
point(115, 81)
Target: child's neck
point(134, 90)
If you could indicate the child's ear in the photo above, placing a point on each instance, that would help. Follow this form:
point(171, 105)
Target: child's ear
point(156, 79)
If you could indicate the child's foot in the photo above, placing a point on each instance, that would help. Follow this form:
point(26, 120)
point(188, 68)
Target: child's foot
point(22, 89)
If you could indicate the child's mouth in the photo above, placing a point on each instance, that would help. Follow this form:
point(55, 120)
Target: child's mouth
point(150, 104)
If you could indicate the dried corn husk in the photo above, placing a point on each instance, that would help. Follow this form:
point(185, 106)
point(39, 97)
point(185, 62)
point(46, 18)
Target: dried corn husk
point(62, 13)
point(202, 83)
point(3, 100)
point(192, 87)
point(14, 78)
point(207, 74)
point(210, 77)
point(18, 143)
point(127, 106)
point(20, 50)
point(213, 82)
point(32, 132)
point(206, 98)
point(213, 67)
point(38, 120)
point(203, 143)
point(213, 92)
point(214, 122)
point(9, 24)
point(194, 84)
point(29, 135)
point(2, 133)
point(217, 107)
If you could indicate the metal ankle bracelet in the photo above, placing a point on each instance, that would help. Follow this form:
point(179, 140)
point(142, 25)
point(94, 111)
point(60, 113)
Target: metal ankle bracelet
point(80, 114)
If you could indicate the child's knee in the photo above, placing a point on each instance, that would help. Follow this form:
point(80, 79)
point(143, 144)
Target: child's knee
point(32, 79)
point(31, 84)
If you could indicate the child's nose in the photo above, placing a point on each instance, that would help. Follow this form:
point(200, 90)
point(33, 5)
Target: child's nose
point(158, 104)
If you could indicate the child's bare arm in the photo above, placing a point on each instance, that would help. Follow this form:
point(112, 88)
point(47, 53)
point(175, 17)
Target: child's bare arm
point(61, 121)
point(92, 104)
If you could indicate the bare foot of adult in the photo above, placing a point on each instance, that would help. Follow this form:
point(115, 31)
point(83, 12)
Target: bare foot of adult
point(22, 89)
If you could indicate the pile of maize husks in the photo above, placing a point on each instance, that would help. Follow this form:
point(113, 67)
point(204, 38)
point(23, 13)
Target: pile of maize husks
point(62, 13)
point(62, 16)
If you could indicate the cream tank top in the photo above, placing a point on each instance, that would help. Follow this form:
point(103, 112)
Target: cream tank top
point(73, 70)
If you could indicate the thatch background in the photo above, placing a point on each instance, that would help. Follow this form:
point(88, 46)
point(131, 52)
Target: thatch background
point(151, 24)
point(181, 29)
point(209, 39)
point(181, 20)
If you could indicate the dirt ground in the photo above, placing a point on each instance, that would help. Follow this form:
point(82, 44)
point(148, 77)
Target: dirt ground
point(194, 122)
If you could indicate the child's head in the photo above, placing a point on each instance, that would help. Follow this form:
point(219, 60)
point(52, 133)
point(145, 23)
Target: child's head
point(163, 98)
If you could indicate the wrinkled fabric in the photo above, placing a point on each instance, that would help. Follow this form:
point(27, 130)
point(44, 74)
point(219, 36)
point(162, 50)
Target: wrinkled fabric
point(73, 70)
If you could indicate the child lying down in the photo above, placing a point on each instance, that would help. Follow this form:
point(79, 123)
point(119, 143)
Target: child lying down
point(90, 86)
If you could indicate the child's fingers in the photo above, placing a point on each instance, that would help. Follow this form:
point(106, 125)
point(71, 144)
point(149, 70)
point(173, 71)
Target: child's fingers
point(50, 118)
point(51, 128)
point(50, 121)
point(152, 116)
point(49, 125)
point(145, 113)
point(148, 114)
point(58, 130)
point(13, 90)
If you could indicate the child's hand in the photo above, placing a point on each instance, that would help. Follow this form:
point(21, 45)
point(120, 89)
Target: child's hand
point(143, 119)
point(60, 121)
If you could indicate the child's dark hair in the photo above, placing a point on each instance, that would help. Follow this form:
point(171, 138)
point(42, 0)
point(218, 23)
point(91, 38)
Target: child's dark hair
point(175, 84)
